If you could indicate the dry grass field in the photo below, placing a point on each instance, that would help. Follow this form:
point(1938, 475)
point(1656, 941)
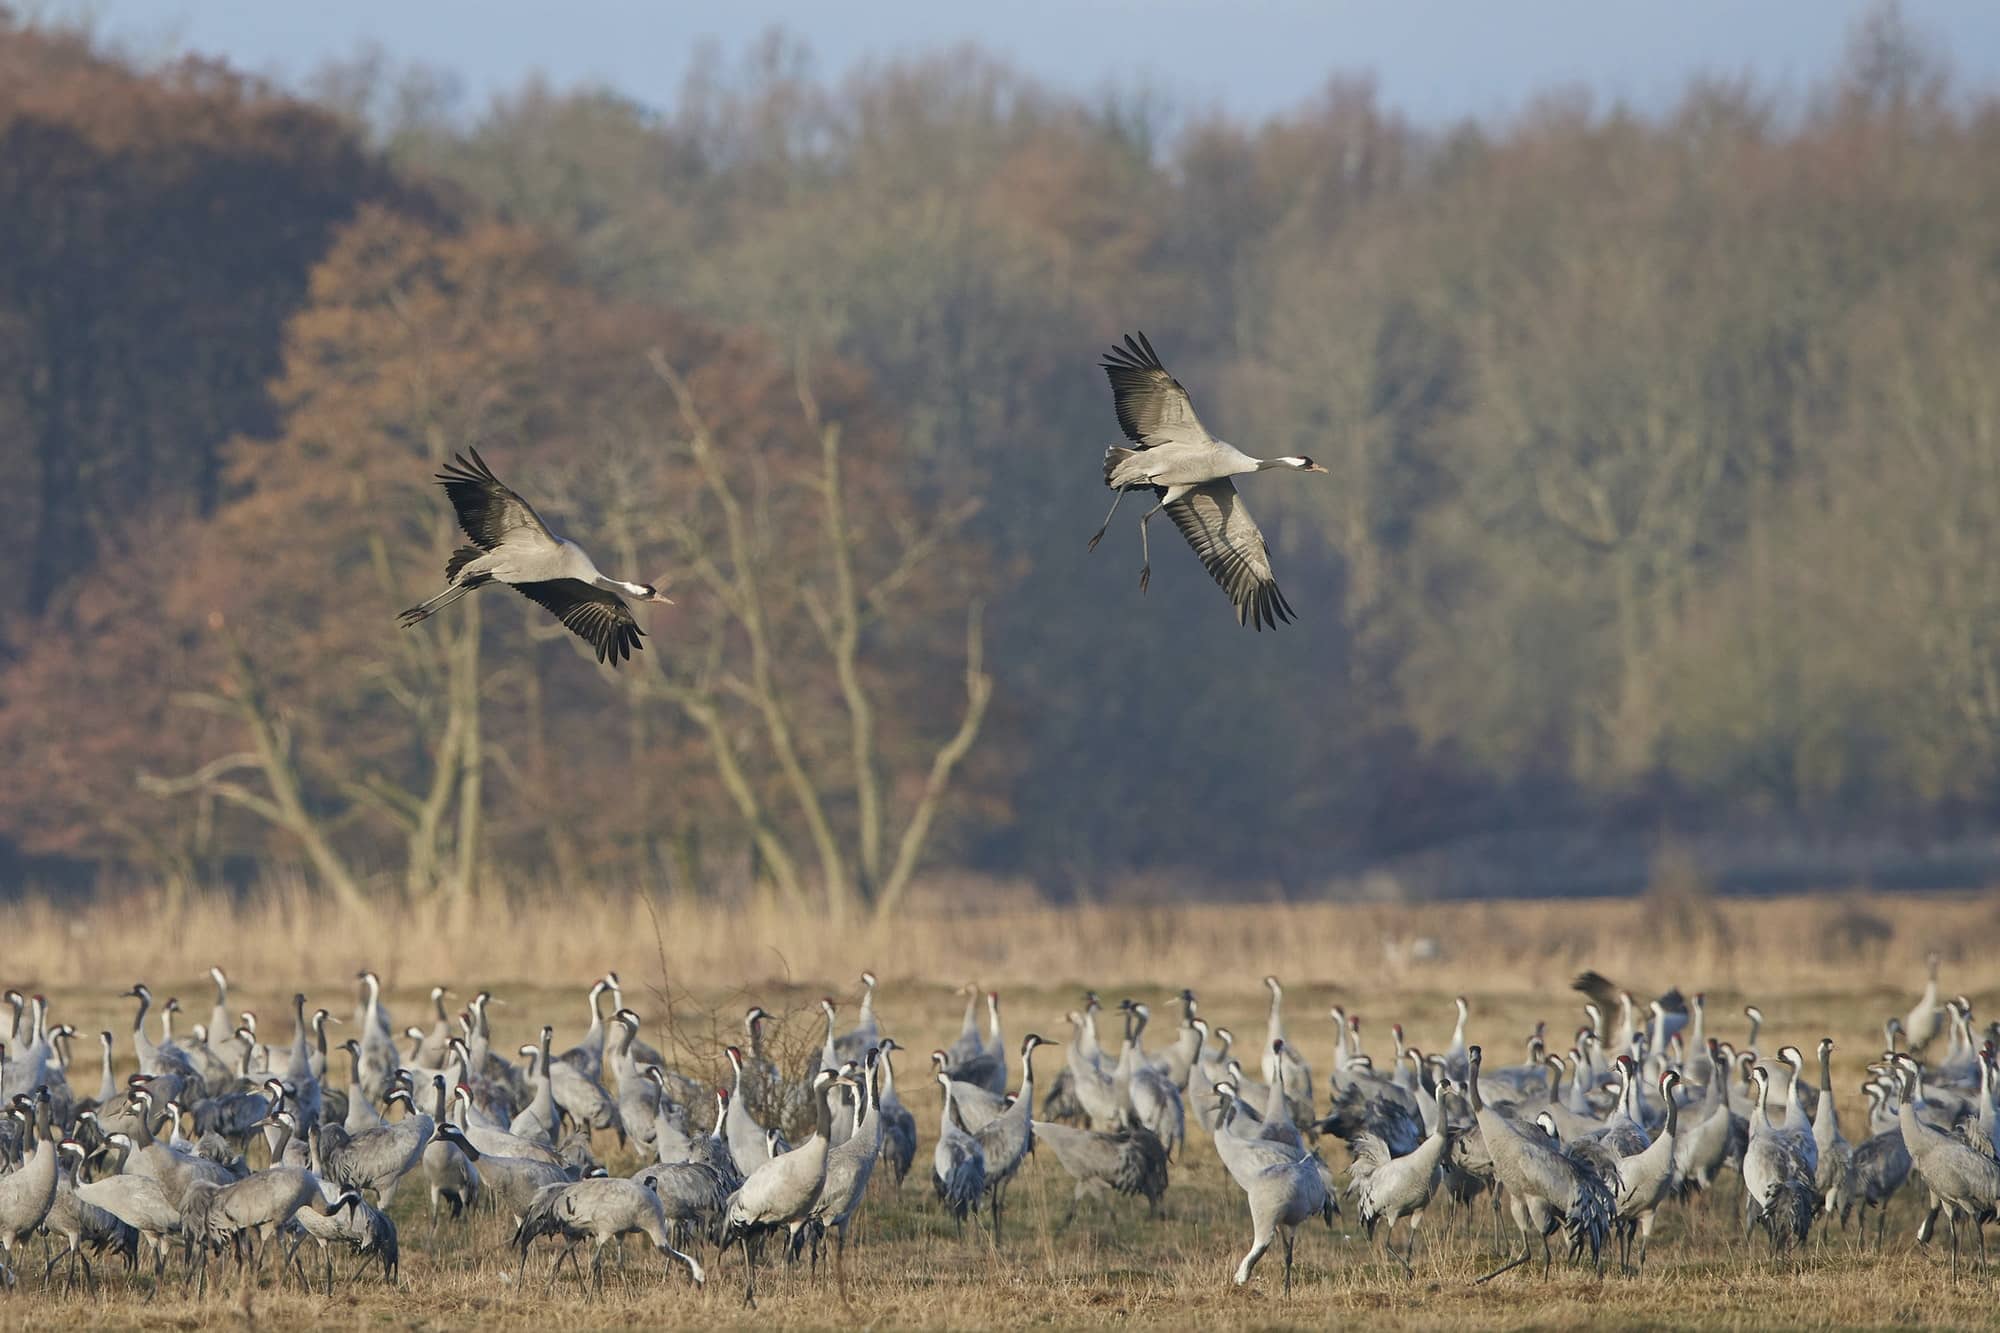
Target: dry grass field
point(1816, 966)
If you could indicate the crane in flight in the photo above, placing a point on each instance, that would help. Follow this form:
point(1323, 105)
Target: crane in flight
point(512, 545)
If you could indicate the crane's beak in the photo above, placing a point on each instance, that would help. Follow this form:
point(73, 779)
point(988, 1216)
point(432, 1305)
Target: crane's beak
point(1314, 467)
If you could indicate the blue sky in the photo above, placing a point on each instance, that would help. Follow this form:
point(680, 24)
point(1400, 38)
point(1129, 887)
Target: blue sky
point(1435, 60)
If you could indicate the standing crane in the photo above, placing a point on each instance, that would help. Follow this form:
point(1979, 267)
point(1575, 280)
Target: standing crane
point(1963, 1181)
point(1388, 1189)
point(1282, 1184)
point(958, 1164)
point(1547, 1187)
point(1835, 1155)
point(783, 1190)
point(1927, 1019)
point(1777, 1178)
point(1006, 1140)
point(1645, 1179)
point(512, 545)
point(1191, 472)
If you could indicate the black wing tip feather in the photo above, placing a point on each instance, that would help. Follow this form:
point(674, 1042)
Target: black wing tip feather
point(1265, 608)
point(467, 467)
point(1135, 355)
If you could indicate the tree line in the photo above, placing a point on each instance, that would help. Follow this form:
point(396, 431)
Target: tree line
point(1664, 456)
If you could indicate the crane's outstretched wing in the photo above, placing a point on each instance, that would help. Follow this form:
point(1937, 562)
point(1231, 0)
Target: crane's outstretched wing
point(1223, 534)
point(1152, 406)
point(487, 510)
point(599, 618)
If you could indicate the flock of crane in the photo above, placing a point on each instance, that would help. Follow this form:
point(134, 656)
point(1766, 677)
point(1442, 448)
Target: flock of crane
point(219, 1144)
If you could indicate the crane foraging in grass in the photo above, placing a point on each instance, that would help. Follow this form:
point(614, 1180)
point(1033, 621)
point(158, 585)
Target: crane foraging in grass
point(1173, 455)
point(512, 545)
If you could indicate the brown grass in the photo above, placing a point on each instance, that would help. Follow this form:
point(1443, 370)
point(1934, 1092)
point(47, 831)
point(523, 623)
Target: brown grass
point(1792, 944)
point(909, 1269)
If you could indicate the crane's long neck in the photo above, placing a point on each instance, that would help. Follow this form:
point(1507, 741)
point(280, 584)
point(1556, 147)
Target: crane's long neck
point(609, 584)
point(1673, 1112)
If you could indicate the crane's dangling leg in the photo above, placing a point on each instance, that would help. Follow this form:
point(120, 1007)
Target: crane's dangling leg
point(424, 610)
point(1145, 551)
point(1098, 536)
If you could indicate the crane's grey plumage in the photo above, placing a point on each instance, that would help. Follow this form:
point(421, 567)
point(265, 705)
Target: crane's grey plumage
point(1927, 1019)
point(1175, 457)
point(899, 1127)
point(257, 1206)
point(849, 1165)
point(78, 1223)
point(1645, 1178)
point(1963, 1181)
point(512, 545)
point(1881, 1165)
point(747, 1141)
point(1007, 1139)
point(27, 1193)
point(358, 1226)
point(379, 1159)
point(1777, 1178)
point(783, 1189)
point(137, 1201)
point(600, 1210)
point(1282, 1183)
point(958, 1164)
point(1547, 1186)
point(1128, 1160)
point(1388, 1189)
point(1835, 1153)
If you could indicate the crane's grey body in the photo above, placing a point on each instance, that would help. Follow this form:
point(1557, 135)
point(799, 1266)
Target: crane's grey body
point(600, 1210)
point(1963, 1181)
point(1545, 1184)
point(512, 545)
point(139, 1202)
point(1777, 1176)
point(1645, 1178)
point(1130, 1160)
point(958, 1163)
point(783, 1189)
point(1281, 1182)
point(1388, 1189)
point(1174, 456)
point(1007, 1138)
point(899, 1127)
